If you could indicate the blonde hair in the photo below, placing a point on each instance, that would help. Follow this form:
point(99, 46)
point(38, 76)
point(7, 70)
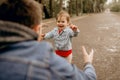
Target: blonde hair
point(65, 14)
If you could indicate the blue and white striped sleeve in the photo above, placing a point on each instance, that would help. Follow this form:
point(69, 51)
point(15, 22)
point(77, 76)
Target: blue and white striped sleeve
point(74, 33)
point(49, 35)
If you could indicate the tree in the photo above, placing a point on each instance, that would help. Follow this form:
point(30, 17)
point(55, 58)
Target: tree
point(61, 4)
point(51, 7)
point(70, 7)
point(77, 8)
point(81, 6)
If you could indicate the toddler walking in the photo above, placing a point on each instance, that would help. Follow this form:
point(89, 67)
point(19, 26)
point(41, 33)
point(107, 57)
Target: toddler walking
point(62, 35)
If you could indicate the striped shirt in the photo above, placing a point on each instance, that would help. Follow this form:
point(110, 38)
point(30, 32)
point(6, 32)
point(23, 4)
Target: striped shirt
point(62, 40)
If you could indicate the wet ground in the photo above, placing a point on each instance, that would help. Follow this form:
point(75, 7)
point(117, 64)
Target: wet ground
point(102, 33)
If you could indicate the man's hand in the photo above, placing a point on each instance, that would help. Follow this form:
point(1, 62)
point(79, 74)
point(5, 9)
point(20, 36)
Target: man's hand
point(88, 58)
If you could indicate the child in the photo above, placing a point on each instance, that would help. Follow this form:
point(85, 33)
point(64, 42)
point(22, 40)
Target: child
point(62, 35)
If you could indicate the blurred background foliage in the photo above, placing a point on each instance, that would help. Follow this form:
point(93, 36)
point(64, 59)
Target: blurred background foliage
point(76, 7)
point(115, 6)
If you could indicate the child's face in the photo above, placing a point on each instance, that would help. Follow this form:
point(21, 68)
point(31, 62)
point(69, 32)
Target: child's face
point(62, 22)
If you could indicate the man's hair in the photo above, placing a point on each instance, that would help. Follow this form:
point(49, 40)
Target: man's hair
point(26, 12)
point(63, 14)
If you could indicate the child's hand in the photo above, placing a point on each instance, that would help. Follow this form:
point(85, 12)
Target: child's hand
point(73, 27)
point(41, 37)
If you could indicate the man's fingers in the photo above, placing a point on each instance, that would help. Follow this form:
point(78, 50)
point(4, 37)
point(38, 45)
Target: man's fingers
point(87, 57)
point(84, 51)
point(91, 53)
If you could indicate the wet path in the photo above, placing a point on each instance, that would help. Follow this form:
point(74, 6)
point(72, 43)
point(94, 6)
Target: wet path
point(101, 32)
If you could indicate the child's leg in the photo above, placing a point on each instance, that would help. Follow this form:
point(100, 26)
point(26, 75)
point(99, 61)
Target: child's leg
point(69, 58)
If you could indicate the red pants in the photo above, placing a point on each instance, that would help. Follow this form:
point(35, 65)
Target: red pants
point(63, 53)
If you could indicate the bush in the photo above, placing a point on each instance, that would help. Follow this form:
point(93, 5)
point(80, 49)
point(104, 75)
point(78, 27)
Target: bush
point(115, 8)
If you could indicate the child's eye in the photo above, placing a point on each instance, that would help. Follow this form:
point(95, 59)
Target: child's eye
point(63, 21)
point(58, 21)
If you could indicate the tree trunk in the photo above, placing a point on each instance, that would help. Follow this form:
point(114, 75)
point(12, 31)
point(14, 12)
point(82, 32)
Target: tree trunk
point(45, 12)
point(51, 7)
point(61, 5)
point(40, 1)
point(81, 11)
point(70, 7)
point(77, 14)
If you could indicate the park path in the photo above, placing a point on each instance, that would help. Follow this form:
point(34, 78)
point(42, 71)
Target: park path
point(102, 33)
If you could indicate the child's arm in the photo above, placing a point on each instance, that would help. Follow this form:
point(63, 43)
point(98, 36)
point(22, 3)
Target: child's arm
point(48, 35)
point(74, 29)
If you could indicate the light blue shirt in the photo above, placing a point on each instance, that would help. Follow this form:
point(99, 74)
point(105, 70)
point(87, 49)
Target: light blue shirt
point(62, 41)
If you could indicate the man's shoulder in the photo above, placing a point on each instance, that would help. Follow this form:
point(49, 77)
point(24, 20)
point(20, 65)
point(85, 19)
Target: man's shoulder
point(43, 45)
point(31, 48)
point(34, 50)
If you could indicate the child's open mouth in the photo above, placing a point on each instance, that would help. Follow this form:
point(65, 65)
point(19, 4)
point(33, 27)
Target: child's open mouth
point(61, 26)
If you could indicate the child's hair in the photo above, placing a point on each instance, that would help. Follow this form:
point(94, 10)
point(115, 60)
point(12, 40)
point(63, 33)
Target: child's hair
point(65, 14)
point(26, 12)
